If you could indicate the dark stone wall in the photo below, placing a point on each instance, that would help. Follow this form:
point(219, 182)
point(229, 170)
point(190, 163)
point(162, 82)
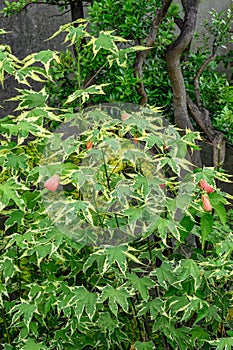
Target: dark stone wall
point(28, 32)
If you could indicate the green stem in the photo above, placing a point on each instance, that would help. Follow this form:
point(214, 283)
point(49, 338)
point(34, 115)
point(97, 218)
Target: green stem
point(6, 326)
point(19, 273)
point(108, 185)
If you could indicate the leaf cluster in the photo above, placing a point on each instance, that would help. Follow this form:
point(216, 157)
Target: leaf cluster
point(62, 286)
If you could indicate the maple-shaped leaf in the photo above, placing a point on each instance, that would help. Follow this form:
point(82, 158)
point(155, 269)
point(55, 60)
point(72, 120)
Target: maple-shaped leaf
point(35, 73)
point(222, 343)
point(24, 310)
point(31, 344)
point(85, 93)
point(30, 99)
point(105, 41)
point(9, 192)
point(140, 284)
point(16, 161)
point(108, 256)
point(115, 254)
point(84, 299)
point(165, 274)
point(115, 297)
point(16, 217)
point(76, 33)
point(187, 268)
point(46, 57)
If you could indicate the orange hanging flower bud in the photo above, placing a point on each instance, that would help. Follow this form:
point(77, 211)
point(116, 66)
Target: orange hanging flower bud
point(89, 145)
point(52, 183)
point(206, 202)
point(124, 116)
point(162, 185)
point(135, 139)
point(205, 186)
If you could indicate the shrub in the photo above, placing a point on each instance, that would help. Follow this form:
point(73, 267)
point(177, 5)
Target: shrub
point(69, 181)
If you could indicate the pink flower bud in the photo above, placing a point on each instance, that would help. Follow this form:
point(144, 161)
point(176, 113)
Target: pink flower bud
point(162, 185)
point(89, 145)
point(52, 183)
point(206, 202)
point(135, 139)
point(124, 116)
point(205, 186)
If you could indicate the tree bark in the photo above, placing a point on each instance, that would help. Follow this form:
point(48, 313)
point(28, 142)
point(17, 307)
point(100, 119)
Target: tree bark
point(76, 7)
point(173, 56)
point(141, 55)
point(183, 104)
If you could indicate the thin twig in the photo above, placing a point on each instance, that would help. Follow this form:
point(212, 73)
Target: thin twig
point(93, 77)
point(197, 78)
point(62, 14)
point(41, 3)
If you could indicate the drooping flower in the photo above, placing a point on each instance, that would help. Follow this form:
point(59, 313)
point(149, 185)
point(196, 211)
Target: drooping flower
point(206, 202)
point(52, 183)
point(89, 145)
point(135, 139)
point(124, 116)
point(205, 186)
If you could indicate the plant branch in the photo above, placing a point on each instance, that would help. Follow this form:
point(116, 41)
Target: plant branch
point(61, 14)
point(6, 326)
point(202, 118)
point(140, 56)
point(197, 77)
point(40, 3)
point(173, 57)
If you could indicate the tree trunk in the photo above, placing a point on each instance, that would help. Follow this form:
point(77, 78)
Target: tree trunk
point(183, 104)
point(141, 55)
point(173, 58)
point(76, 9)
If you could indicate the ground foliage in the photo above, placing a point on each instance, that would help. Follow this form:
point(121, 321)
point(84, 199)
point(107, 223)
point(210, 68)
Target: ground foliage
point(171, 287)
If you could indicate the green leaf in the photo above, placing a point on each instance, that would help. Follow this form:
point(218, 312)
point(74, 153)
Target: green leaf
point(16, 217)
point(107, 323)
point(46, 57)
point(24, 128)
point(186, 269)
point(165, 274)
point(16, 161)
point(115, 296)
point(144, 345)
point(24, 309)
point(140, 284)
point(194, 305)
point(217, 201)
point(198, 333)
point(85, 93)
point(30, 99)
point(30, 344)
point(35, 73)
point(207, 222)
point(222, 343)
point(9, 192)
point(76, 33)
point(104, 41)
point(3, 292)
point(115, 254)
point(225, 247)
point(83, 299)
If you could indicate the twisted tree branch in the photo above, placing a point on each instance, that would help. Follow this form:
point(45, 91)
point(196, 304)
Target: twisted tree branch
point(141, 55)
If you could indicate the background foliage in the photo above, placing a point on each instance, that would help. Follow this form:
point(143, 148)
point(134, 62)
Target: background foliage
point(216, 92)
